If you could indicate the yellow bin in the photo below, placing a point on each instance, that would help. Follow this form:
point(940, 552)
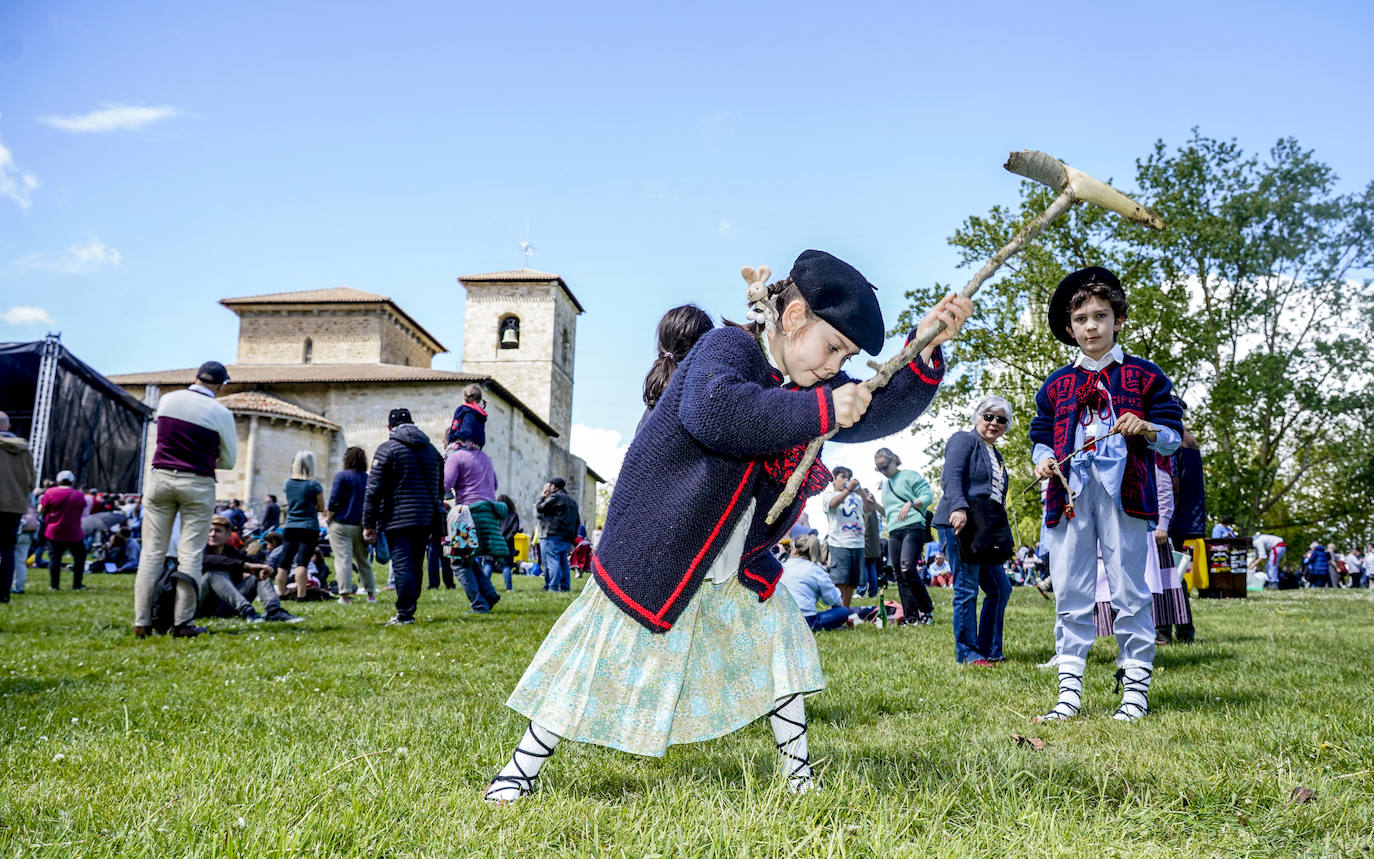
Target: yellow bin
point(522, 546)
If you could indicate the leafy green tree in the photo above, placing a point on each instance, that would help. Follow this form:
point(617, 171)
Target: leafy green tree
point(1251, 302)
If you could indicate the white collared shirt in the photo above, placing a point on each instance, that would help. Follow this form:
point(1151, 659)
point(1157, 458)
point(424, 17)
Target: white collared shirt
point(1092, 365)
point(201, 389)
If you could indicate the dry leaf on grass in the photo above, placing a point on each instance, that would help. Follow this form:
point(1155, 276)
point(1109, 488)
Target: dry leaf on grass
point(1034, 742)
point(1302, 794)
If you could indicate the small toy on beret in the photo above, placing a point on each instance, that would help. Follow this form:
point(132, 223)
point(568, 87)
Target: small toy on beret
point(1064, 292)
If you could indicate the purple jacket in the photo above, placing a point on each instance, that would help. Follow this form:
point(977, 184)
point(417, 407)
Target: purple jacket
point(471, 476)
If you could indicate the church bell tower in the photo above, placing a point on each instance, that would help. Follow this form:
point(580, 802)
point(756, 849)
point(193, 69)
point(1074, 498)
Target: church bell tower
point(520, 328)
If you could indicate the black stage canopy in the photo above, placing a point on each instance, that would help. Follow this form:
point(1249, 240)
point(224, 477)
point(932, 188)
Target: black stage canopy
point(95, 427)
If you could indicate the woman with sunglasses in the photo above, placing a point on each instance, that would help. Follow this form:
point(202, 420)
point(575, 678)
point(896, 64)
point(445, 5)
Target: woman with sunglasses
point(974, 469)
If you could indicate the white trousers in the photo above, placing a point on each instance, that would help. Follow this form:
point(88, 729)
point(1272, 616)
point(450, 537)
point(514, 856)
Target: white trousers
point(1124, 542)
point(165, 494)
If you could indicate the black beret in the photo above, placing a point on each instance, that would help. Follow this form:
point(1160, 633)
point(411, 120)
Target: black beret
point(1063, 294)
point(837, 293)
point(398, 417)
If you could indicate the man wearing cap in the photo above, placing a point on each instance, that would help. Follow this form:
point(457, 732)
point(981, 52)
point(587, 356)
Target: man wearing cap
point(195, 436)
point(404, 498)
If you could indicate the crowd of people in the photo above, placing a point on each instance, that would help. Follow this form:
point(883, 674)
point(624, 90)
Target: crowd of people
point(725, 420)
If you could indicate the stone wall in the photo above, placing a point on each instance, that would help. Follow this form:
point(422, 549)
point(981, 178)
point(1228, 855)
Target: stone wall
point(401, 345)
point(337, 336)
point(520, 450)
point(273, 446)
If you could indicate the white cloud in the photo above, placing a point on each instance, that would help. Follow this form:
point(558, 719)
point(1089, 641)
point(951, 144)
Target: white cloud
point(78, 259)
point(23, 315)
point(15, 183)
point(116, 117)
point(601, 448)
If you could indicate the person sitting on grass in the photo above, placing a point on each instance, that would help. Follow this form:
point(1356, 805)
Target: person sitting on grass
point(233, 582)
point(938, 570)
point(807, 581)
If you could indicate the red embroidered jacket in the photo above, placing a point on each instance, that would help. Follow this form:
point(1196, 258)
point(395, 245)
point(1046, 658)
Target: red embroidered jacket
point(1137, 387)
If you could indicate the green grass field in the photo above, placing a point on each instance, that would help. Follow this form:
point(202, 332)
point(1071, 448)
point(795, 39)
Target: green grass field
point(341, 737)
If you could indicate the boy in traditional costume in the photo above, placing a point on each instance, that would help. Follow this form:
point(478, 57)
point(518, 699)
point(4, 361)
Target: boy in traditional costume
point(1103, 418)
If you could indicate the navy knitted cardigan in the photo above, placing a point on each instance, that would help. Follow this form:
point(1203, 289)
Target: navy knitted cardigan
point(1137, 387)
point(722, 433)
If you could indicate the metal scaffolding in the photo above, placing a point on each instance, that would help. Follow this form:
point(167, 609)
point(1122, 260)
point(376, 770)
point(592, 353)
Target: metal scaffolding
point(42, 402)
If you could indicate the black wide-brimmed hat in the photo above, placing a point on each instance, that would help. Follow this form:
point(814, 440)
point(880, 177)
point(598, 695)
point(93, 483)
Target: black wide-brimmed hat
point(1059, 302)
point(837, 293)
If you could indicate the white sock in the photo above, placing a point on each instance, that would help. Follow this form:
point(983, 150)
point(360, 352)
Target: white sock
point(1133, 678)
point(518, 777)
point(1070, 690)
point(788, 720)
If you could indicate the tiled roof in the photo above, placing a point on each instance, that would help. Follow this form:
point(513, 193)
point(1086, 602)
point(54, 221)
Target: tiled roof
point(256, 402)
point(263, 374)
point(526, 275)
point(333, 295)
point(247, 375)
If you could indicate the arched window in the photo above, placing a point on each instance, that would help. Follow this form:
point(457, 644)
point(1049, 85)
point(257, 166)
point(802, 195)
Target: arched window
point(508, 332)
point(309, 350)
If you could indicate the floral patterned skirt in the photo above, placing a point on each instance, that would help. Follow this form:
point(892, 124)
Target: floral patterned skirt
point(600, 677)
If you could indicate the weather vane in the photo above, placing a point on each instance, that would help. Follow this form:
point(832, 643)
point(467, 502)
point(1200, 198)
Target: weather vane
point(526, 248)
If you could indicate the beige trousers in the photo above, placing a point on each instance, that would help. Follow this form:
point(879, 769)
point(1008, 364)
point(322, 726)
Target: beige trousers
point(350, 550)
point(165, 495)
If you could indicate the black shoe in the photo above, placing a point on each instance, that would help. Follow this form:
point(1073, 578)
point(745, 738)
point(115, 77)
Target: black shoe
point(495, 598)
point(80, 588)
point(400, 621)
point(188, 630)
point(281, 615)
point(142, 631)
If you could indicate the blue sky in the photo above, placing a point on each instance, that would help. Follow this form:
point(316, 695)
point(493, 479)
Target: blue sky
point(652, 149)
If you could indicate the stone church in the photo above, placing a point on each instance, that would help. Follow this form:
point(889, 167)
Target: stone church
point(319, 370)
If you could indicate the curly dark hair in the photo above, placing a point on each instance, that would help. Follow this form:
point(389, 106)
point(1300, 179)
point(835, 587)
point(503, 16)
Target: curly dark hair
point(354, 459)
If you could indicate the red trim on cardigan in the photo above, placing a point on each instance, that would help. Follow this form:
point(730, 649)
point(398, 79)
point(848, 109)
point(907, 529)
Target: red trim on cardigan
point(715, 532)
point(768, 587)
point(915, 368)
point(825, 416)
point(603, 578)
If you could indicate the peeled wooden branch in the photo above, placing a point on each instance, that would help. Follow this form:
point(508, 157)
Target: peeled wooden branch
point(1072, 185)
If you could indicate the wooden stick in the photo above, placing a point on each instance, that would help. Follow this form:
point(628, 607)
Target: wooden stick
point(1060, 462)
point(913, 349)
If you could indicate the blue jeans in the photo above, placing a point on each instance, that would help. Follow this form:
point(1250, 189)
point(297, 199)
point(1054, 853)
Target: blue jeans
point(476, 579)
point(869, 583)
point(557, 573)
point(506, 572)
point(407, 547)
point(831, 618)
point(974, 637)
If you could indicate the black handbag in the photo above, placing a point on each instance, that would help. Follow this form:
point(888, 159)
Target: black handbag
point(986, 538)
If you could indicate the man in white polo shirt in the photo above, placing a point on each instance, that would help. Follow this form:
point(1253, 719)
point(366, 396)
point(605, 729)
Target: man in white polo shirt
point(195, 435)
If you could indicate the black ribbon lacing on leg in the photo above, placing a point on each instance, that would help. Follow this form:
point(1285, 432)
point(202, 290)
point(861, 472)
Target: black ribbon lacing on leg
point(1130, 710)
point(1063, 709)
point(524, 783)
point(797, 779)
